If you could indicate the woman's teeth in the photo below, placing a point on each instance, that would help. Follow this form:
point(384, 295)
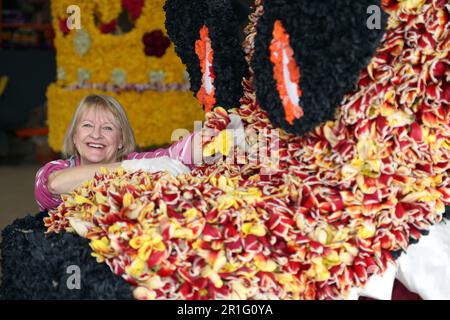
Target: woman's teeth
point(97, 146)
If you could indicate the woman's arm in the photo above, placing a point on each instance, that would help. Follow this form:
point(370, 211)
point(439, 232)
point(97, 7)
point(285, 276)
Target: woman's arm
point(181, 151)
point(56, 178)
point(66, 180)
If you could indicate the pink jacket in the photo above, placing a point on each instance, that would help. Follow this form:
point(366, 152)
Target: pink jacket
point(180, 150)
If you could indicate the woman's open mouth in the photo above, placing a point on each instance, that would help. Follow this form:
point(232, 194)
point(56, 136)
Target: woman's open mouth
point(96, 146)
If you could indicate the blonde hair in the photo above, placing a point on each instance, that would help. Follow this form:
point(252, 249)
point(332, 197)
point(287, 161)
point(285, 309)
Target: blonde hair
point(106, 103)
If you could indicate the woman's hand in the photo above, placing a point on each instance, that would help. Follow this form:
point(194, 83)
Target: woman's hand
point(231, 137)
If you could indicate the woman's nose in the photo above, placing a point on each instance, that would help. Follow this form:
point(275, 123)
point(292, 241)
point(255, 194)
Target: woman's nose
point(96, 132)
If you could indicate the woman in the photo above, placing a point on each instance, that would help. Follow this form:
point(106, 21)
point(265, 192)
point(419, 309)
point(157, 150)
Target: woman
point(100, 135)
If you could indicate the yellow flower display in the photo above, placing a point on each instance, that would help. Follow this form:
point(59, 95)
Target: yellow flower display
point(154, 113)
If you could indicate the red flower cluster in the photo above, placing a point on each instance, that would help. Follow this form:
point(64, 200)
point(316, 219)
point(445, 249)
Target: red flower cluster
point(156, 43)
point(108, 27)
point(63, 26)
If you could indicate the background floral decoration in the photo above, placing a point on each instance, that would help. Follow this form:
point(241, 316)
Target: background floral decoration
point(101, 55)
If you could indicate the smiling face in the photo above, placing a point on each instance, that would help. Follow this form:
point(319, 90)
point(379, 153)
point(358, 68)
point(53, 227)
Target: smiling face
point(97, 137)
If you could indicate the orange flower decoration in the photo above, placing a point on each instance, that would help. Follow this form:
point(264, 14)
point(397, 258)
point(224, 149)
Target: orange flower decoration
point(286, 73)
point(205, 54)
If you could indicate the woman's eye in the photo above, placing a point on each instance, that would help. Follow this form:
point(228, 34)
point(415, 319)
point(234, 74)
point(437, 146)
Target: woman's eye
point(87, 125)
point(108, 128)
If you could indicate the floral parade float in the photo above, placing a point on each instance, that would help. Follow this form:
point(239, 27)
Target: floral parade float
point(356, 121)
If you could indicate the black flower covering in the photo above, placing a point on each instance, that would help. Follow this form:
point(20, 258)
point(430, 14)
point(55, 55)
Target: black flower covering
point(331, 43)
point(34, 265)
point(184, 20)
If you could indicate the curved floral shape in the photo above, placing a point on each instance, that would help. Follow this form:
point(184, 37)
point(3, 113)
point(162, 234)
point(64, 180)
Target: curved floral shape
point(119, 77)
point(205, 55)
point(156, 43)
point(286, 73)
